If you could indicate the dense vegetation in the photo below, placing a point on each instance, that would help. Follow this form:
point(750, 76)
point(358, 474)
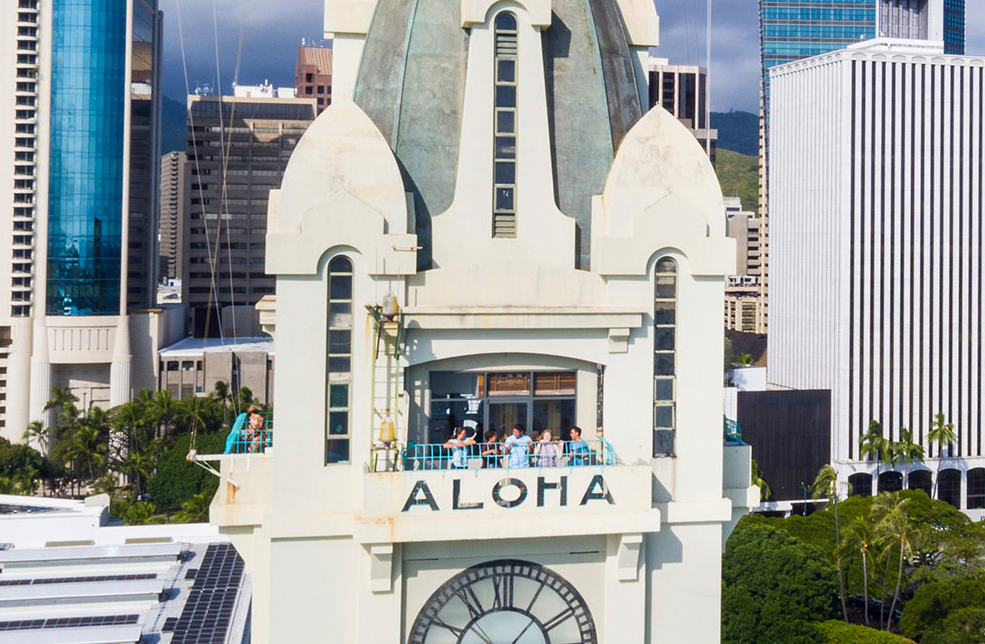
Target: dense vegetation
point(739, 176)
point(134, 452)
point(737, 131)
point(898, 561)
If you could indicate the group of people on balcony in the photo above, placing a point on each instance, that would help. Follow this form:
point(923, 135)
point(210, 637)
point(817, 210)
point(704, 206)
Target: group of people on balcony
point(518, 450)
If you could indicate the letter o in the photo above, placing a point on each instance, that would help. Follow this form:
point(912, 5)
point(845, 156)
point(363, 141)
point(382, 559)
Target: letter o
point(518, 484)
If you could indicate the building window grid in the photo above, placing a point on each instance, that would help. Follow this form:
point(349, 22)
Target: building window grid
point(22, 296)
point(339, 373)
point(665, 357)
point(505, 126)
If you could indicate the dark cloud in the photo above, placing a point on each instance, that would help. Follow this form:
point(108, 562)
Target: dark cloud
point(272, 30)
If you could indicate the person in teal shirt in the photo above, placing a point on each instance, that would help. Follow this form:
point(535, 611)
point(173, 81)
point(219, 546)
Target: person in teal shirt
point(578, 452)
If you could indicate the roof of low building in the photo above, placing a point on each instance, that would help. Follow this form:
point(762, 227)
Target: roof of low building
point(321, 57)
point(190, 347)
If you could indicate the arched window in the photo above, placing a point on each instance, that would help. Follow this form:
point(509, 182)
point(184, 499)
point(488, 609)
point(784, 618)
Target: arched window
point(505, 127)
point(339, 380)
point(860, 484)
point(976, 488)
point(664, 357)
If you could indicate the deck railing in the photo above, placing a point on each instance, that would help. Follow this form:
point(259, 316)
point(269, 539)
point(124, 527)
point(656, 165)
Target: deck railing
point(733, 432)
point(436, 456)
point(247, 441)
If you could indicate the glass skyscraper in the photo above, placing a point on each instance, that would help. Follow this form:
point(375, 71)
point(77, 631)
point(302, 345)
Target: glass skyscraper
point(85, 196)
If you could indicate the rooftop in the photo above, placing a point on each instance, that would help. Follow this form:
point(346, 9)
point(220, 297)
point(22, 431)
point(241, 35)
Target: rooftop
point(319, 56)
point(191, 347)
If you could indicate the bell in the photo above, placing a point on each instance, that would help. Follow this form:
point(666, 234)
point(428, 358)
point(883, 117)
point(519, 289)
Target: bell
point(387, 431)
point(390, 308)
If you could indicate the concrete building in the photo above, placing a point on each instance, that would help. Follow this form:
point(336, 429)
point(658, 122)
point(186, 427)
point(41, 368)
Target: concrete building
point(264, 90)
point(876, 269)
point(73, 577)
point(791, 30)
point(80, 151)
point(175, 185)
point(745, 305)
point(237, 151)
point(313, 75)
point(193, 366)
point(682, 90)
point(431, 273)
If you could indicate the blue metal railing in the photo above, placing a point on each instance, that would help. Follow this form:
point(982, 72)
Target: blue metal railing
point(435, 456)
point(733, 431)
point(243, 440)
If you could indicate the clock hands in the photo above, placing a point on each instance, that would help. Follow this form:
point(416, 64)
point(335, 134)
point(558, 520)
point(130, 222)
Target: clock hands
point(529, 624)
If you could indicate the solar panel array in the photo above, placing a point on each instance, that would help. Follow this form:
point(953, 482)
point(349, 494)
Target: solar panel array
point(68, 622)
point(76, 580)
point(208, 611)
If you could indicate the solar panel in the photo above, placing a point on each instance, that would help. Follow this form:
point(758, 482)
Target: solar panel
point(209, 609)
point(76, 580)
point(68, 622)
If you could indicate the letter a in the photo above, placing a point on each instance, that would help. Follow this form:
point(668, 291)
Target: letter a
point(412, 500)
point(592, 495)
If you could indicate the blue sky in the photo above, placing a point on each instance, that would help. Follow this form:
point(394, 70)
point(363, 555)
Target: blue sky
point(272, 30)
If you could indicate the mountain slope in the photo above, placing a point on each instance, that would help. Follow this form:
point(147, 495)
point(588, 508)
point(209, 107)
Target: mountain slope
point(739, 176)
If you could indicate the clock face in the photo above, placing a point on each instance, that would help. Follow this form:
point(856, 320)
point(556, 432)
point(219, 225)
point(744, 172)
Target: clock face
point(505, 602)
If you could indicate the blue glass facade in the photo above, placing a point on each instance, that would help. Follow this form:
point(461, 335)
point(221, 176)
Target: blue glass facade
point(954, 26)
point(85, 198)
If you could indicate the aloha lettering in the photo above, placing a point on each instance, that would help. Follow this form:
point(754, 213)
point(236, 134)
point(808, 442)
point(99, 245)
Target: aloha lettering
point(510, 493)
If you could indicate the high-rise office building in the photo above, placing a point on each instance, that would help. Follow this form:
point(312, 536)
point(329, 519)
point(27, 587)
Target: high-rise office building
point(79, 160)
point(791, 30)
point(313, 75)
point(876, 208)
point(174, 195)
point(238, 148)
point(682, 90)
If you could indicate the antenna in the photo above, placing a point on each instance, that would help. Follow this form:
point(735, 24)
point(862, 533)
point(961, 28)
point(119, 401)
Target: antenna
point(708, 84)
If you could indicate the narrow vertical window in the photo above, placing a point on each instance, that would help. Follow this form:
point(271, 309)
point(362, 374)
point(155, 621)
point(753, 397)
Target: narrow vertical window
point(505, 127)
point(664, 357)
point(339, 378)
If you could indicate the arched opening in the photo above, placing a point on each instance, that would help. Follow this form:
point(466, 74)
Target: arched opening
point(505, 134)
point(339, 359)
point(890, 482)
point(976, 488)
point(921, 480)
point(861, 484)
point(664, 357)
point(949, 487)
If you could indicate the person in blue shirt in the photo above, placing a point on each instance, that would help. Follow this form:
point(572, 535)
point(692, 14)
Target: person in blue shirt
point(459, 449)
point(578, 452)
point(518, 447)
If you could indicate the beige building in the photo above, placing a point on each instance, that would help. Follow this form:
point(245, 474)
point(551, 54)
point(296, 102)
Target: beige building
point(745, 300)
point(682, 90)
point(238, 148)
point(193, 366)
point(430, 274)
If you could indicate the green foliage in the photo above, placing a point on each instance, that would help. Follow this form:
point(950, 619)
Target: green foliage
point(177, 480)
point(195, 509)
point(774, 586)
point(739, 176)
point(837, 632)
point(16, 458)
point(737, 130)
point(965, 626)
point(932, 604)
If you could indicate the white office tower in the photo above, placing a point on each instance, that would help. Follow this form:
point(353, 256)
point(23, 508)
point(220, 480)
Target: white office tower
point(876, 163)
point(79, 172)
point(497, 235)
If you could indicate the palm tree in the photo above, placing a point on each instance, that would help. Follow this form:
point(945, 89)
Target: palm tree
point(895, 529)
point(162, 409)
point(6, 485)
point(36, 432)
point(907, 452)
point(27, 480)
point(858, 538)
point(758, 480)
point(60, 397)
point(88, 448)
point(193, 412)
point(941, 433)
point(871, 445)
point(885, 507)
point(826, 485)
point(128, 419)
point(194, 510)
point(138, 467)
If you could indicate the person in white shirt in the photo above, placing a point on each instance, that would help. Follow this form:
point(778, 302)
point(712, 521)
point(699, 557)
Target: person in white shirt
point(459, 449)
point(518, 447)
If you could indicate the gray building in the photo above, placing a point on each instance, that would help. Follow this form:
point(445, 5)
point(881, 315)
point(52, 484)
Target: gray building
point(682, 90)
point(174, 195)
point(237, 150)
